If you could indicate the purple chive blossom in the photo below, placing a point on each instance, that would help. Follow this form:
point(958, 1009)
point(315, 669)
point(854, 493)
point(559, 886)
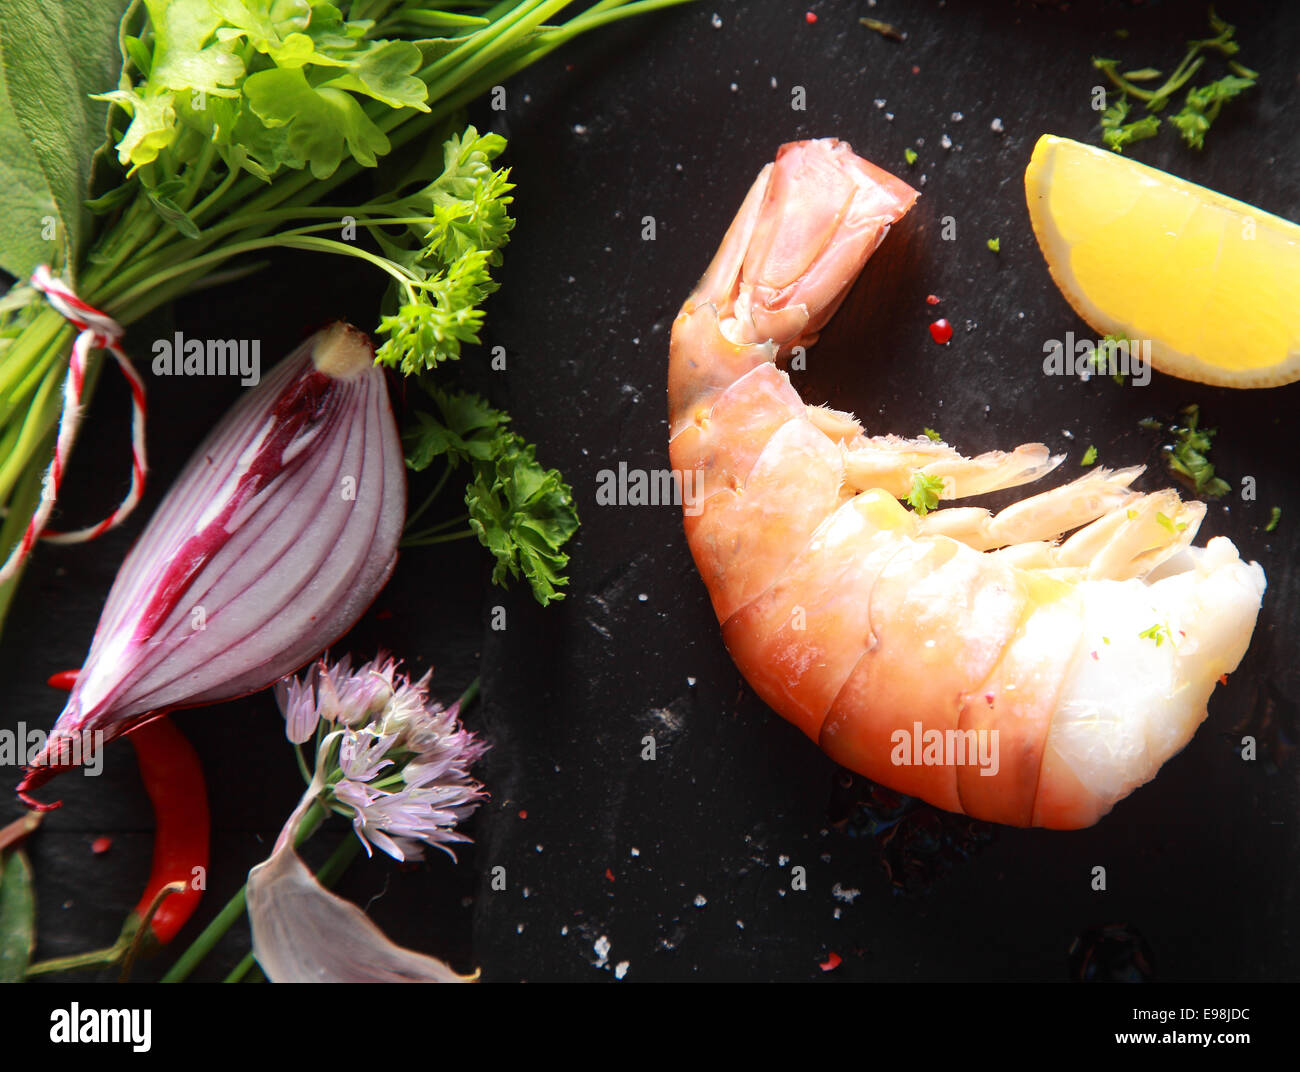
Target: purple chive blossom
point(404, 760)
point(361, 754)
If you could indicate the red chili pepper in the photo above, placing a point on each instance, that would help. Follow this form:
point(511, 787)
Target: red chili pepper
point(64, 679)
point(832, 961)
point(173, 777)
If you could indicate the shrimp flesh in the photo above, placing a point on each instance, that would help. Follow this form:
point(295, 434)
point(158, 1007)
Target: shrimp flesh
point(988, 663)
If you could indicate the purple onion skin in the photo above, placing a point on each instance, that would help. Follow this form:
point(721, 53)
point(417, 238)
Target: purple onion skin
point(276, 537)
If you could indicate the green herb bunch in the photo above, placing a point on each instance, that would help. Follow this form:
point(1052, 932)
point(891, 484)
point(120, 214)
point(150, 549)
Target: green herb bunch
point(154, 147)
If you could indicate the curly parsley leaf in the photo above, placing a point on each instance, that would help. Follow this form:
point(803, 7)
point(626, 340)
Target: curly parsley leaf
point(925, 493)
point(521, 512)
point(466, 208)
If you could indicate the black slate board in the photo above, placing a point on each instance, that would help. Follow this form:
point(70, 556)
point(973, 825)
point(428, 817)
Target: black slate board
point(683, 865)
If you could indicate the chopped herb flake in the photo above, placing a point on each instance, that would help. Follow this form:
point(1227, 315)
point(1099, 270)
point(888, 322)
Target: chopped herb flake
point(1201, 106)
point(1273, 518)
point(1089, 456)
point(1187, 456)
point(1158, 633)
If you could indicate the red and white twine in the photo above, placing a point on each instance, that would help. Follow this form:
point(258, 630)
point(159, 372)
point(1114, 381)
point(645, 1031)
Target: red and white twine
point(97, 331)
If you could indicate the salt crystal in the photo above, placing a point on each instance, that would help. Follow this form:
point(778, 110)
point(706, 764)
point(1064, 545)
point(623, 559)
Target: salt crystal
point(700, 900)
point(717, 21)
point(996, 126)
point(620, 969)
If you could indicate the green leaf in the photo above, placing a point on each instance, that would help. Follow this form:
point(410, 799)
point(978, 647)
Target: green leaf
point(187, 55)
point(52, 56)
point(520, 511)
point(523, 514)
point(467, 207)
point(925, 493)
point(17, 916)
point(319, 123)
point(160, 197)
point(386, 71)
point(467, 431)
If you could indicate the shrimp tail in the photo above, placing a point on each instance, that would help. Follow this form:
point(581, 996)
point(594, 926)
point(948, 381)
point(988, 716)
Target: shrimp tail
point(808, 225)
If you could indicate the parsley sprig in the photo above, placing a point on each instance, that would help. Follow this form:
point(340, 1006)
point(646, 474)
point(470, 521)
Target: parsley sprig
point(925, 493)
point(520, 511)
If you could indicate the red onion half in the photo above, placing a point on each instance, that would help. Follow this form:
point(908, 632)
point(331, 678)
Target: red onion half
point(274, 540)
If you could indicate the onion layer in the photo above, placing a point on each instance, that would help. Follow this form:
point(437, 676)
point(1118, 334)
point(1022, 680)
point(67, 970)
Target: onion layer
point(274, 540)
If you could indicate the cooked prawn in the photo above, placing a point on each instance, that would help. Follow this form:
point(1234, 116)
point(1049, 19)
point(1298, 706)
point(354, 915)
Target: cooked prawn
point(905, 644)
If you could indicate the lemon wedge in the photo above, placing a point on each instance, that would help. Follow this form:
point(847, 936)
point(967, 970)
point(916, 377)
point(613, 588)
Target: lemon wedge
point(1212, 282)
